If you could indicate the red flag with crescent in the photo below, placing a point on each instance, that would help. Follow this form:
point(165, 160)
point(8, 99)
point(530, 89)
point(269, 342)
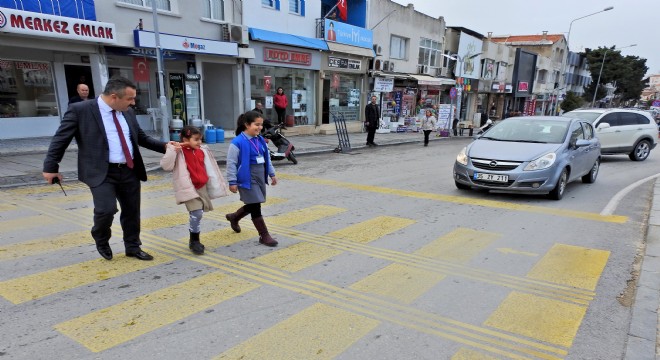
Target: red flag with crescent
point(342, 6)
point(140, 70)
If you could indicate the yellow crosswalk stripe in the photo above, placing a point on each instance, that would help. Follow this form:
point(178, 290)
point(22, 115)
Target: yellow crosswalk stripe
point(103, 329)
point(372, 229)
point(305, 335)
point(571, 265)
point(44, 245)
point(406, 283)
point(306, 215)
point(25, 222)
point(300, 256)
point(548, 320)
point(8, 207)
point(469, 354)
point(39, 285)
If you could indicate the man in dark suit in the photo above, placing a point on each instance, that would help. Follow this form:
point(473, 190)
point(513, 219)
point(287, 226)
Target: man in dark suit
point(372, 120)
point(259, 108)
point(109, 161)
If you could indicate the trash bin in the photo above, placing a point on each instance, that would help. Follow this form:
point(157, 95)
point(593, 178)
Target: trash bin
point(290, 121)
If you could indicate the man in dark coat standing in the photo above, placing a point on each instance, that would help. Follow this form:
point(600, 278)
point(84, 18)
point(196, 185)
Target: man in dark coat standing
point(372, 120)
point(109, 162)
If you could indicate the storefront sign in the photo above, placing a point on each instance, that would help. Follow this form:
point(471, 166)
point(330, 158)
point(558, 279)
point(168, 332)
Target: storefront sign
point(342, 63)
point(148, 53)
point(342, 33)
point(382, 84)
point(523, 86)
point(287, 56)
point(185, 44)
point(43, 25)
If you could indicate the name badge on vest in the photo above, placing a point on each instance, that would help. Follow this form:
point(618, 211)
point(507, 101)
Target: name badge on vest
point(260, 160)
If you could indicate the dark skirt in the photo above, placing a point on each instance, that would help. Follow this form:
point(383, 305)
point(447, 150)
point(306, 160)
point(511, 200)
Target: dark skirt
point(257, 191)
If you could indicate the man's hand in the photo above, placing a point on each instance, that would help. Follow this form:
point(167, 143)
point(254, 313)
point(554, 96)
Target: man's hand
point(50, 176)
point(233, 188)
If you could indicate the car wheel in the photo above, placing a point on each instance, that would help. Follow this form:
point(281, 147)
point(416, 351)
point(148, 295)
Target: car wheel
point(461, 186)
point(641, 151)
point(558, 192)
point(590, 177)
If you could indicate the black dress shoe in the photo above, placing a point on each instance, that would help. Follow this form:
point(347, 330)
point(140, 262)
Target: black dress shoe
point(105, 251)
point(139, 254)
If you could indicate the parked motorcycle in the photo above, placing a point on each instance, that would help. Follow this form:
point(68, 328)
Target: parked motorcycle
point(284, 147)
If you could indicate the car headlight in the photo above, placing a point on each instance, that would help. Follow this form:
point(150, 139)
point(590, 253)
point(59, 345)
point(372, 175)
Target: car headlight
point(462, 157)
point(541, 163)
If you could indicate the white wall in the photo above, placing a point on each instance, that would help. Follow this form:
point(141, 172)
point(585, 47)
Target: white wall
point(265, 18)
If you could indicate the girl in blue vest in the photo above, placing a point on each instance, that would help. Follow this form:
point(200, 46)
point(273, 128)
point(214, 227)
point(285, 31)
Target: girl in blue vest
point(248, 170)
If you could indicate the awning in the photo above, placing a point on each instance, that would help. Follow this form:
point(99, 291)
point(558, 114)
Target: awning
point(397, 76)
point(430, 80)
point(287, 39)
point(352, 50)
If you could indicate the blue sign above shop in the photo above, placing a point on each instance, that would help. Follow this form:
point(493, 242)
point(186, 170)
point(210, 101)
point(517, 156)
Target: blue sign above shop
point(342, 33)
point(148, 53)
point(79, 9)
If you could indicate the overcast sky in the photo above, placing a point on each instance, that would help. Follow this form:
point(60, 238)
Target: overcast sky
point(630, 22)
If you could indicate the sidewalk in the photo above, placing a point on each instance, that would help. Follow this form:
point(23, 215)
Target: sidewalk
point(22, 159)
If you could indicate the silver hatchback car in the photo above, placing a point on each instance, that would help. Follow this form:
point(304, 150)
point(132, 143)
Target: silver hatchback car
point(532, 154)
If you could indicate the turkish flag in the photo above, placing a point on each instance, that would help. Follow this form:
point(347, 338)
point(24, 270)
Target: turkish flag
point(140, 70)
point(267, 83)
point(343, 9)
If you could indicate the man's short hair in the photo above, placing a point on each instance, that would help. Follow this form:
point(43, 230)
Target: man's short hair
point(117, 85)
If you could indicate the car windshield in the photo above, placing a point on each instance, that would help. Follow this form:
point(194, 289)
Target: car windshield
point(528, 130)
point(589, 116)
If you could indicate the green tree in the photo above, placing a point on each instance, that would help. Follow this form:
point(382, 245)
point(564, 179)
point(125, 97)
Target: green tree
point(626, 73)
point(571, 102)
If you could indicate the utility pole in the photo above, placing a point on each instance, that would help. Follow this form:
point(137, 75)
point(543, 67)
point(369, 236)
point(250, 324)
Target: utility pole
point(165, 122)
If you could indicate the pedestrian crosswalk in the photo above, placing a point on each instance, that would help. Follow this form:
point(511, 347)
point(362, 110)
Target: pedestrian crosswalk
point(346, 283)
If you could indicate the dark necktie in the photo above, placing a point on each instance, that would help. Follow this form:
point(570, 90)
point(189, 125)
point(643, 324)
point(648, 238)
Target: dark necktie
point(124, 146)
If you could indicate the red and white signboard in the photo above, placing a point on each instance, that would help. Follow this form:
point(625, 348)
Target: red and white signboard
point(60, 27)
point(287, 56)
point(523, 86)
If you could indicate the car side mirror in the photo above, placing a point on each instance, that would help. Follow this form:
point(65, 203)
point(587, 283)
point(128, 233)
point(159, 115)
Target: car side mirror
point(581, 143)
point(603, 126)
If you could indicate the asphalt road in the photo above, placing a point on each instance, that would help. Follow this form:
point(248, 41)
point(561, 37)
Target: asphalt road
point(380, 257)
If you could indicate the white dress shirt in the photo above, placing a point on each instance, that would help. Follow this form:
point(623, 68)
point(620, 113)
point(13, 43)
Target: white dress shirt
point(116, 152)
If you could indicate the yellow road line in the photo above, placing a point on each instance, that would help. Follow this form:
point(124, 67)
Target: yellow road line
point(306, 215)
point(571, 265)
point(469, 354)
point(8, 207)
point(103, 329)
point(539, 318)
point(318, 332)
point(461, 200)
point(49, 282)
point(460, 245)
point(25, 222)
point(43, 245)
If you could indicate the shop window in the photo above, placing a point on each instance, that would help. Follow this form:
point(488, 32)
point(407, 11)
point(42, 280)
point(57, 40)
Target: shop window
point(142, 99)
point(214, 9)
point(297, 7)
point(160, 4)
point(298, 85)
point(274, 4)
point(26, 89)
point(398, 47)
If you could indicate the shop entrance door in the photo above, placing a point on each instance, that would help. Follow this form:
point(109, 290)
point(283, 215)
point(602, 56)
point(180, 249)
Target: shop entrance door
point(325, 119)
point(78, 74)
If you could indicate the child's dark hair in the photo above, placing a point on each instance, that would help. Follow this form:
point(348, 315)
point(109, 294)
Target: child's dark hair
point(245, 119)
point(188, 131)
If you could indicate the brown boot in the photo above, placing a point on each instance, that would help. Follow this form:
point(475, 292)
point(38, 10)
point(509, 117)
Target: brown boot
point(234, 218)
point(264, 236)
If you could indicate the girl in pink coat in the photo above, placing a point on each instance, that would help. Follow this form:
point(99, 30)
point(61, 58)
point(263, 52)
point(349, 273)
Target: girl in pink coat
point(197, 179)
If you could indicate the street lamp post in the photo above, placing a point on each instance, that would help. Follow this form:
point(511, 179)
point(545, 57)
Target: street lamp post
point(564, 60)
point(593, 101)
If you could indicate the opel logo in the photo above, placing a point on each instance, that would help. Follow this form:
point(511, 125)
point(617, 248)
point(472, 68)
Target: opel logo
point(493, 163)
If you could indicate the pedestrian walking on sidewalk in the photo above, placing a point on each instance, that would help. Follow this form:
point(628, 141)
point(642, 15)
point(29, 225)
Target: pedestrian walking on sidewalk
point(372, 120)
point(248, 170)
point(196, 178)
point(428, 124)
point(109, 161)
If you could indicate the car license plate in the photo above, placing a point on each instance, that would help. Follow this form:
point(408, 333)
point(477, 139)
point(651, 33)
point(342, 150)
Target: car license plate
point(491, 177)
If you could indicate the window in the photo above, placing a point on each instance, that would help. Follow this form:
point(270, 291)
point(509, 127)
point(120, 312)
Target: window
point(429, 53)
point(27, 89)
point(612, 119)
point(275, 4)
point(297, 7)
point(398, 47)
point(588, 131)
point(214, 9)
point(543, 74)
point(160, 4)
point(501, 70)
point(488, 69)
point(576, 132)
